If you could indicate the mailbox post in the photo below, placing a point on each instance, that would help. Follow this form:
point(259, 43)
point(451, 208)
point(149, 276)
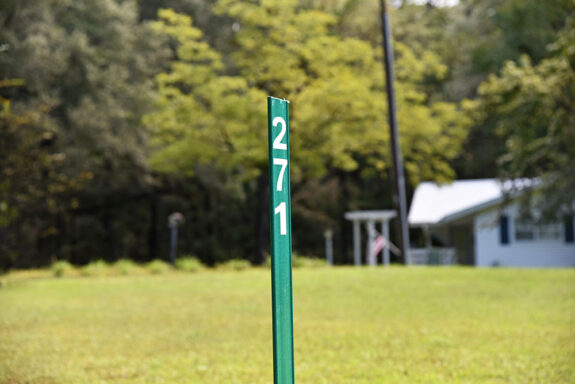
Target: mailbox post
point(175, 220)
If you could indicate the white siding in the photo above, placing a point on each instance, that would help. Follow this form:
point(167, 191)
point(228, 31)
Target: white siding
point(533, 253)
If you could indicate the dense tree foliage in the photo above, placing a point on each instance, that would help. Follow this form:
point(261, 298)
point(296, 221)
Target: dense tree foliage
point(74, 125)
point(209, 119)
point(532, 107)
point(117, 112)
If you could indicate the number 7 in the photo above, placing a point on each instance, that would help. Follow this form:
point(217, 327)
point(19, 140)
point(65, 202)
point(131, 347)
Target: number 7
point(283, 163)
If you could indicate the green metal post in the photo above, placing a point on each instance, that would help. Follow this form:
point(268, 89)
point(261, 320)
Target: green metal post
point(280, 231)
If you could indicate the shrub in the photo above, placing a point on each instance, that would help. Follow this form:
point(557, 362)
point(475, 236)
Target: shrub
point(299, 261)
point(157, 267)
point(316, 263)
point(62, 268)
point(235, 265)
point(189, 264)
point(97, 268)
point(125, 267)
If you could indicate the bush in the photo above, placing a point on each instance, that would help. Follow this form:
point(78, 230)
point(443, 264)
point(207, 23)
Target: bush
point(97, 268)
point(299, 261)
point(157, 267)
point(268, 261)
point(126, 267)
point(62, 268)
point(235, 265)
point(189, 264)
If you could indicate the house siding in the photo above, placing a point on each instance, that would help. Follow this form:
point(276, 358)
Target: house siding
point(489, 250)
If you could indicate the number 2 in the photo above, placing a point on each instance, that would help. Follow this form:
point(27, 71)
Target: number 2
point(281, 209)
point(278, 141)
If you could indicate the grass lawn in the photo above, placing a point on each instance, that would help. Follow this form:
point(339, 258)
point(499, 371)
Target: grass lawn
point(396, 325)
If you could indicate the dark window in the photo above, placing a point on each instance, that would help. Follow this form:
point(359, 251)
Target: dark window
point(504, 229)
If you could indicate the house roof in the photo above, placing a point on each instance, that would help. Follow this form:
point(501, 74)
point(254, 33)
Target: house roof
point(438, 204)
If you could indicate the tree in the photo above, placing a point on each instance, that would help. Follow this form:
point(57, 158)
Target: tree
point(33, 188)
point(88, 69)
point(213, 115)
point(204, 116)
point(337, 85)
point(532, 107)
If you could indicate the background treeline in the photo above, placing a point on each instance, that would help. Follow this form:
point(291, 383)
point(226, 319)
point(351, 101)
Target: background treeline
point(115, 113)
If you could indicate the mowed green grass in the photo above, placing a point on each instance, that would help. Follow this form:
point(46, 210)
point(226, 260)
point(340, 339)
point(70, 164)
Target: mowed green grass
point(395, 325)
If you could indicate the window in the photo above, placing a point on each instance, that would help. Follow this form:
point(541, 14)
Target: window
point(550, 232)
point(526, 230)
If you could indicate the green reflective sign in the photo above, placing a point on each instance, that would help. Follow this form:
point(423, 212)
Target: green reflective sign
point(280, 222)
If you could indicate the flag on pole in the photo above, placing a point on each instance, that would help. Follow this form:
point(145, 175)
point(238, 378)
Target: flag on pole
point(377, 245)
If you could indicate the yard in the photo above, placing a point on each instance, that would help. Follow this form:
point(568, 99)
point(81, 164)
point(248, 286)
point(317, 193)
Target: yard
point(352, 325)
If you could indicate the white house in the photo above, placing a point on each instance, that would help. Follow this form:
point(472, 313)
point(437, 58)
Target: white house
point(479, 224)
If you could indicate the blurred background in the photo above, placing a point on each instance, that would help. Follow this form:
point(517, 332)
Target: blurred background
point(116, 113)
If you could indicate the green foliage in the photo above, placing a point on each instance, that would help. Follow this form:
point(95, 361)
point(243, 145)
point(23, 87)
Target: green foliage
point(484, 35)
point(268, 261)
point(158, 267)
point(531, 107)
point(97, 268)
point(62, 268)
point(126, 267)
point(337, 84)
point(206, 117)
point(189, 264)
point(352, 325)
point(234, 265)
point(299, 261)
point(522, 27)
point(33, 185)
point(73, 135)
point(211, 105)
point(203, 115)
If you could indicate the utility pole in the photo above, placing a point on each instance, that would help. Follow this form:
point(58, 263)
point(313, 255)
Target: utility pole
point(398, 174)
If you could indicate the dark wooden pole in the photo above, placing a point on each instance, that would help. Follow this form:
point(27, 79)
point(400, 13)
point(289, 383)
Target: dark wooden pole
point(398, 174)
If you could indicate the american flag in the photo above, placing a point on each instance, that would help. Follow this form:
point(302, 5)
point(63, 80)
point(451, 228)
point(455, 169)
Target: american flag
point(377, 245)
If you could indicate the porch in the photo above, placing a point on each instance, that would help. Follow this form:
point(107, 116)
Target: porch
point(432, 256)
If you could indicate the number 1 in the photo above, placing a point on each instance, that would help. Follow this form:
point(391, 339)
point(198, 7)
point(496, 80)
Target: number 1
point(281, 209)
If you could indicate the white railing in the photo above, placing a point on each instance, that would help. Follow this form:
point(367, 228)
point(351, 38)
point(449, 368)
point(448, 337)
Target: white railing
point(431, 256)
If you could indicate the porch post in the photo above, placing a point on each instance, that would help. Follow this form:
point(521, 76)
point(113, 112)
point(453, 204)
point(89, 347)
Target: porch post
point(427, 237)
point(371, 258)
point(356, 244)
point(385, 233)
